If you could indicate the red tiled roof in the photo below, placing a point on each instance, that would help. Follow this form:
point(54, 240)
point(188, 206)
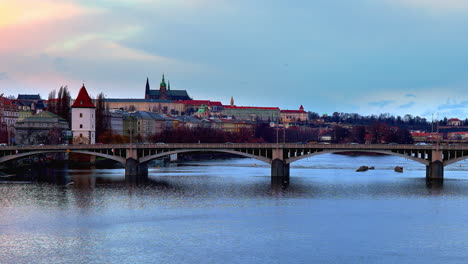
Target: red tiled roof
point(421, 134)
point(294, 111)
point(454, 119)
point(425, 134)
point(234, 121)
point(5, 101)
point(83, 100)
point(250, 107)
point(198, 102)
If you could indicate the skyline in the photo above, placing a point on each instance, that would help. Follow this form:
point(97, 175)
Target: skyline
point(394, 56)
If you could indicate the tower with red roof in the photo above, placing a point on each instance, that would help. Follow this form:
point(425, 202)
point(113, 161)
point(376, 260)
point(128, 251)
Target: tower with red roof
point(83, 118)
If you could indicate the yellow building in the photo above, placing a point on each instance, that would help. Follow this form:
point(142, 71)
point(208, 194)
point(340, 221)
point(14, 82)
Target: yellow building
point(149, 105)
point(291, 117)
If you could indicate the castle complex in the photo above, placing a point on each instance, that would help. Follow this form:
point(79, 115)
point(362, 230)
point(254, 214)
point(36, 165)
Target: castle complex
point(178, 102)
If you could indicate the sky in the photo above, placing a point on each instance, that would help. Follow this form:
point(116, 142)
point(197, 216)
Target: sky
point(360, 56)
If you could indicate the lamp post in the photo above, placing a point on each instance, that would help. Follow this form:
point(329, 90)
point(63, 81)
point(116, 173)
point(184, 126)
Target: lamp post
point(284, 134)
point(131, 139)
point(438, 136)
point(8, 133)
point(277, 135)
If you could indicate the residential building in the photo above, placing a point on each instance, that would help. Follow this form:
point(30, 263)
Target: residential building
point(116, 122)
point(265, 114)
point(457, 135)
point(188, 121)
point(148, 124)
point(42, 128)
point(236, 126)
point(8, 119)
point(33, 101)
point(454, 122)
point(425, 137)
point(294, 117)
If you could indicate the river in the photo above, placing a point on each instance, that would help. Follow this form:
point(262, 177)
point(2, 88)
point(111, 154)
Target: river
point(224, 211)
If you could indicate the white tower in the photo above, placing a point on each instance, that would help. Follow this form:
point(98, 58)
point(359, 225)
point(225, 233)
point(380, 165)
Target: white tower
point(83, 116)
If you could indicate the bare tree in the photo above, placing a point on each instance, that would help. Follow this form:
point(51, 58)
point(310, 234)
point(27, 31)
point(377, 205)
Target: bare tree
point(102, 116)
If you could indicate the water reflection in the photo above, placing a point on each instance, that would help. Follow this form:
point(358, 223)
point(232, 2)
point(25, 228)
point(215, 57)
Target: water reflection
point(217, 178)
point(328, 214)
point(435, 184)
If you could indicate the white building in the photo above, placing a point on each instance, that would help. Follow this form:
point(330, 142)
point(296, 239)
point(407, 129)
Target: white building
point(83, 119)
point(8, 119)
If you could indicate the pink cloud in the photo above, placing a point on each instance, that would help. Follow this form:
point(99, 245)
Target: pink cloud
point(32, 29)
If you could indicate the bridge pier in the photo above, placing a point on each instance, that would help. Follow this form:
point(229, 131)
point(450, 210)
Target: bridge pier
point(135, 172)
point(279, 173)
point(435, 173)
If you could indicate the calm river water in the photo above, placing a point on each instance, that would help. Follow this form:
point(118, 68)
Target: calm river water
point(223, 211)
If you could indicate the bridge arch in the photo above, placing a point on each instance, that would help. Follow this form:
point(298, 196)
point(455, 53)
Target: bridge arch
point(420, 160)
point(452, 161)
point(91, 153)
point(243, 154)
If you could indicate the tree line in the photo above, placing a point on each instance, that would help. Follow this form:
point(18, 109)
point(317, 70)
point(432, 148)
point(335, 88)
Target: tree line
point(407, 121)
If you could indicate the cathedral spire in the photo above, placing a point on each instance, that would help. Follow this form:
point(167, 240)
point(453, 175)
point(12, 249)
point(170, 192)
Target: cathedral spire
point(163, 90)
point(168, 85)
point(163, 82)
point(232, 101)
point(147, 90)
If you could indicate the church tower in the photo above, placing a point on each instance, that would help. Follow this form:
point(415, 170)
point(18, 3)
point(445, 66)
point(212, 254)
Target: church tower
point(147, 90)
point(163, 90)
point(83, 117)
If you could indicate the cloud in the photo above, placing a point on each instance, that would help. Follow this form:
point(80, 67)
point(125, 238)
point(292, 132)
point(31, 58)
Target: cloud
point(453, 105)
point(410, 95)
point(453, 109)
point(3, 75)
point(34, 11)
point(408, 105)
point(382, 103)
point(44, 22)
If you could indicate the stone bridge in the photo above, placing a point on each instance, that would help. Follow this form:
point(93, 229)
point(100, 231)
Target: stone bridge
point(136, 156)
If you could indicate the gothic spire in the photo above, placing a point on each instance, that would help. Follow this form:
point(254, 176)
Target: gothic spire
point(163, 82)
point(168, 85)
point(147, 90)
point(232, 101)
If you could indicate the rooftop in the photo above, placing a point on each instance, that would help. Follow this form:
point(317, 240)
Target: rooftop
point(117, 100)
point(83, 100)
point(250, 107)
point(199, 102)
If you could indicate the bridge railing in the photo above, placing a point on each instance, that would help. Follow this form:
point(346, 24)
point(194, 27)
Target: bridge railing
point(236, 145)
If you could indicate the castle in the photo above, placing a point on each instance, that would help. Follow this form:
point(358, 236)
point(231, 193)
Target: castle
point(165, 92)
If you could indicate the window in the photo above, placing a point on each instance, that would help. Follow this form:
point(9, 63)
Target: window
point(81, 135)
point(81, 125)
point(81, 114)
